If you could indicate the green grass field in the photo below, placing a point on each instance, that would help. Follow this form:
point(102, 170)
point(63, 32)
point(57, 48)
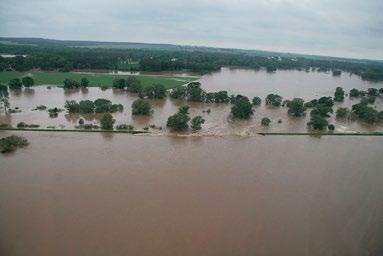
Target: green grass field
point(57, 78)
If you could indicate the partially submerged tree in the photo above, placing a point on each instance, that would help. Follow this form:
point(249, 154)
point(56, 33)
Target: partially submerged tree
point(242, 109)
point(179, 121)
point(257, 101)
point(107, 121)
point(317, 122)
point(155, 91)
point(354, 93)
point(342, 112)
point(141, 107)
point(71, 84)
point(196, 122)
point(4, 96)
point(86, 106)
point(296, 107)
point(265, 121)
point(274, 100)
point(11, 143)
point(339, 94)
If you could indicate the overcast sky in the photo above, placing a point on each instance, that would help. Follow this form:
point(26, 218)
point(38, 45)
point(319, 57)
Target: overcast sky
point(348, 28)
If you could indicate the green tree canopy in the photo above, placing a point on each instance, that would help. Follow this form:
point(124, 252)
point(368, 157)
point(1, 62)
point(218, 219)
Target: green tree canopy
point(317, 122)
point(242, 109)
point(28, 81)
point(274, 100)
point(86, 106)
point(265, 121)
point(15, 84)
point(84, 82)
point(339, 94)
point(141, 107)
point(196, 122)
point(257, 101)
point(107, 121)
point(179, 121)
point(296, 107)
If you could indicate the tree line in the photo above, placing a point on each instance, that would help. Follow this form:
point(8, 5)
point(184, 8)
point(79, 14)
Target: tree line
point(75, 58)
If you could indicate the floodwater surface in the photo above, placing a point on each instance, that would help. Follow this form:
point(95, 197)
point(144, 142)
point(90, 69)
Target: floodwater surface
point(117, 194)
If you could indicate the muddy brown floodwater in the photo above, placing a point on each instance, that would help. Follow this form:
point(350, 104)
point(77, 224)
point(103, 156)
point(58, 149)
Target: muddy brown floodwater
point(93, 194)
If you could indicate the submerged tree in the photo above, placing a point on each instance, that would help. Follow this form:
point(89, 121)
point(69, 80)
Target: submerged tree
point(86, 106)
point(242, 109)
point(296, 107)
point(11, 143)
point(107, 121)
point(71, 84)
point(155, 91)
point(339, 94)
point(317, 122)
point(4, 96)
point(274, 100)
point(257, 101)
point(179, 121)
point(342, 112)
point(141, 107)
point(72, 106)
point(265, 121)
point(354, 93)
point(196, 122)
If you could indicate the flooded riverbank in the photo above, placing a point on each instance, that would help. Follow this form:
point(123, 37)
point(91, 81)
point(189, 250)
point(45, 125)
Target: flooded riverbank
point(116, 194)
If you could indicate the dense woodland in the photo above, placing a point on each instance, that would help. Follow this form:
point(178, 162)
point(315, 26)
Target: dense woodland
point(66, 58)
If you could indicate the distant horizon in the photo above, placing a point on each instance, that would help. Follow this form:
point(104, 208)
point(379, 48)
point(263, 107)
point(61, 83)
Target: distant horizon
point(343, 28)
point(198, 46)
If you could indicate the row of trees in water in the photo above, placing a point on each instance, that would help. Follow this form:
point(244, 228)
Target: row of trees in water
point(242, 107)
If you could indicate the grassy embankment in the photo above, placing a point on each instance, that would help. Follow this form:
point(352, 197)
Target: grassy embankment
point(57, 78)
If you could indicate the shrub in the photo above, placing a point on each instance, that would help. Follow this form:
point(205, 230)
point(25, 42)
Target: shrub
point(342, 112)
point(196, 122)
point(11, 143)
point(265, 121)
point(257, 101)
point(274, 100)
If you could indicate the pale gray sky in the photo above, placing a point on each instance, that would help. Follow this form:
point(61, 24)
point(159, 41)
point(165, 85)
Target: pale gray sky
point(348, 28)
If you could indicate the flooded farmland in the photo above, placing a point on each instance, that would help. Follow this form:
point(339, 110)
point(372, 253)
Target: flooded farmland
point(289, 84)
point(119, 194)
